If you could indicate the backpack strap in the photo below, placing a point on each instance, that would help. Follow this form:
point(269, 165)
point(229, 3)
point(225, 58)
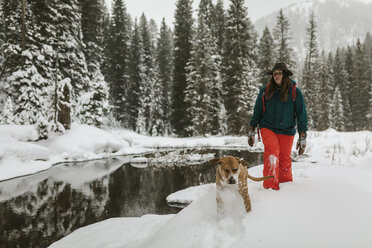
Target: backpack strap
point(293, 92)
point(263, 95)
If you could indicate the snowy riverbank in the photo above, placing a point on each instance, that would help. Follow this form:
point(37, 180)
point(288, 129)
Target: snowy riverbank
point(20, 154)
point(328, 205)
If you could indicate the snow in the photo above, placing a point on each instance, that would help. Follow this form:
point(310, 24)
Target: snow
point(327, 205)
point(186, 196)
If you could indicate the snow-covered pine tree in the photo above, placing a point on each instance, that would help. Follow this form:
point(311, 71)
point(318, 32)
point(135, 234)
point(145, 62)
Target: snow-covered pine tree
point(341, 81)
point(117, 53)
point(182, 51)
point(213, 17)
point(282, 41)
point(7, 115)
point(10, 47)
point(207, 9)
point(149, 77)
point(349, 61)
point(368, 51)
point(219, 30)
point(201, 77)
point(337, 111)
point(65, 37)
point(93, 104)
point(106, 53)
point(266, 59)
point(310, 84)
point(238, 67)
point(29, 91)
point(156, 110)
point(135, 72)
point(326, 83)
point(164, 61)
point(154, 35)
point(359, 88)
point(220, 22)
point(23, 81)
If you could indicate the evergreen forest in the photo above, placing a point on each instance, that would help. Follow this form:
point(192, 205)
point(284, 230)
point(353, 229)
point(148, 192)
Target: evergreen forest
point(75, 61)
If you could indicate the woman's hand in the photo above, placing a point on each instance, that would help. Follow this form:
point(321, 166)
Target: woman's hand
point(301, 143)
point(251, 134)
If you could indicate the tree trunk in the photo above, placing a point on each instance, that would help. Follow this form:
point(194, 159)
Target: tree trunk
point(64, 114)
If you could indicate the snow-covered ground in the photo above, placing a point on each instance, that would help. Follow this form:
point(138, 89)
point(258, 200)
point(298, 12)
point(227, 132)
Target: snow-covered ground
point(327, 205)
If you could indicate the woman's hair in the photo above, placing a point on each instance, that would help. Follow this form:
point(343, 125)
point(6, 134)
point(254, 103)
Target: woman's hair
point(286, 82)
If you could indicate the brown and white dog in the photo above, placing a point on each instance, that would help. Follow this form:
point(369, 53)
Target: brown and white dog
point(233, 171)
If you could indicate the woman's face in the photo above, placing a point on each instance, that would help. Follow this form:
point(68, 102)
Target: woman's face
point(278, 76)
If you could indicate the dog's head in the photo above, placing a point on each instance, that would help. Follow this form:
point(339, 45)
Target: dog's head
point(229, 168)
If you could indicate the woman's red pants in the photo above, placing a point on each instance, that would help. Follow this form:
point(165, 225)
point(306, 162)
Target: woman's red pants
point(277, 158)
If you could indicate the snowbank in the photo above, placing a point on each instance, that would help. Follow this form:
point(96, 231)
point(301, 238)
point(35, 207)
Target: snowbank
point(86, 142)
point(20, 154)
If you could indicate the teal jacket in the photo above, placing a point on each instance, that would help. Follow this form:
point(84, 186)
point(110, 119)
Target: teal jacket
point(281, 117)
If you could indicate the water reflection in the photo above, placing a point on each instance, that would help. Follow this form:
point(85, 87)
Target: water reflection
point(37, 210)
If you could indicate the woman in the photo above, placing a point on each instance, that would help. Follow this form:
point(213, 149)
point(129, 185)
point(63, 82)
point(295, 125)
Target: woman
point(278, 106)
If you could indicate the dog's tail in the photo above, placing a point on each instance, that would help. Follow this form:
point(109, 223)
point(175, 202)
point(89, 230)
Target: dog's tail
point(257, 179)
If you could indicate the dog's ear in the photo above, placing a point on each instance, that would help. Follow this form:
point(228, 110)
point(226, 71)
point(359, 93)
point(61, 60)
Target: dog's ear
point(244, 163)
point(238, 159)
point(214, 161)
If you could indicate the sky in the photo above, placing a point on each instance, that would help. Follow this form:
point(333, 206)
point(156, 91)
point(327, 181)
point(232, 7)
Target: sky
point(157, 9)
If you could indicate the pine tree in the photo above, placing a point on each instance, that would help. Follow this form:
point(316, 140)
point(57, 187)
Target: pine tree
point(117, 60)
point(93, 105)
point(182, 50)
point(7, 115)
point(239, 68)
point(71, 68)
point(349, 61)
point(10, 47)
point(149, 78)
point(23, 82)
point(359, 88)
point(266, 51)
point(220, 22)
point(310, 84)
point(135, 72)
point(368, 56)
point(164, 61)
point(343, 84)
point(201, 77)
point(206, 8)
point(326, 81)
point(10, 33)
point(153, 34)
point(156, 110)
point(282, 39)
point(92, 29)
point(337, 111)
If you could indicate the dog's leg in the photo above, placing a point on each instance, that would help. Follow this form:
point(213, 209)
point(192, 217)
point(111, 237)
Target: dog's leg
point(220, 207)
point(243, 190)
